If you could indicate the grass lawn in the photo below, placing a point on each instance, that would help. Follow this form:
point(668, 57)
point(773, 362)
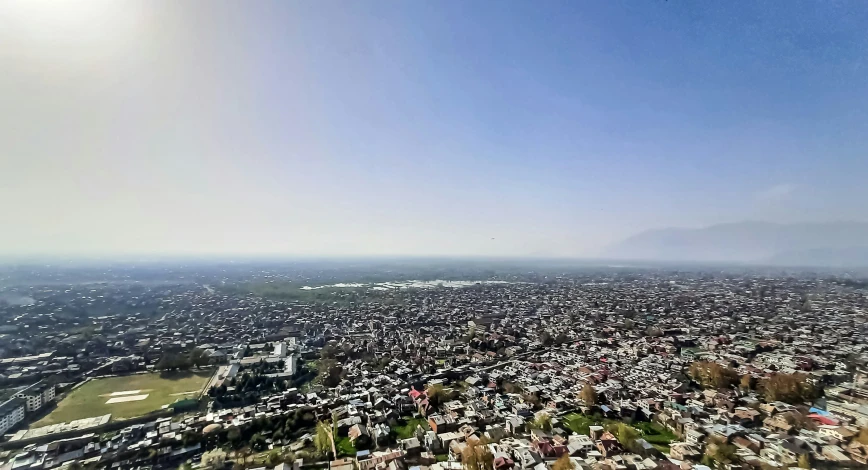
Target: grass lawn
point(656, 435)
point(345, 447)
point(90, 399)
point(578, 423)
point(406, 428)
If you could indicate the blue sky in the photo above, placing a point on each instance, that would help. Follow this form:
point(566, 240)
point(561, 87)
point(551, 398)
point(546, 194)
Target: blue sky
point(487, 128)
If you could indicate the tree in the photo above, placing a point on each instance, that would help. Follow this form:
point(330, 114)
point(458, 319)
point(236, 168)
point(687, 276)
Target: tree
point(543, 421)
point(804, 461)
point(589, 395)
point(509, 387)
point(563, 463)
point(274, 458)
point(328, 352)
point(862, 438)
point(324, 440)
point(719, 451)
point(788, 388)
point(626, 435)
point(653, 331)
point(245, 453)
point(436, 394)
point(214, 458)
point(197, 358)
point(746, 383)
point(329, 372)
point(234, 437)
point(477, 457)
point(712, 375)
point(257, 442)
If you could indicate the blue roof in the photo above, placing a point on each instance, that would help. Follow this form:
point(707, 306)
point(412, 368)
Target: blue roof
point(819, 412)
point(605, 408)
point(363, 453)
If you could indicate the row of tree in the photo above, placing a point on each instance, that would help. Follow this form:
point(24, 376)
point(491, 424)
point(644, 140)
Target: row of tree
point(789, 388)
point(171, 361)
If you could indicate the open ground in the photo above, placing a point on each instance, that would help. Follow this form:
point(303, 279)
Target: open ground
point(90, 399)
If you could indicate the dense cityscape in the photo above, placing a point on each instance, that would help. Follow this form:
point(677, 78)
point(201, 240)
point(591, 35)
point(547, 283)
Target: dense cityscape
point(438, 366)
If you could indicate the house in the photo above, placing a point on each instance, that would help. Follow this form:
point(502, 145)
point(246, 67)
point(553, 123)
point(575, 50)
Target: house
point(839, 433)
point(514, 424)
point(779, 423)
point(357, 431)
point(608, 445)
point(579, 445)
point(442, 423)
point(412, 447)
point(858, 452)
point(684, 451)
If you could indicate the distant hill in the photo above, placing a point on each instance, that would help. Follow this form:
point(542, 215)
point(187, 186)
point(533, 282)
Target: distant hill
point(808, 244)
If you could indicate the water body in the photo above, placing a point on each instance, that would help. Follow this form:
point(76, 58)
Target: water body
point(17, 300)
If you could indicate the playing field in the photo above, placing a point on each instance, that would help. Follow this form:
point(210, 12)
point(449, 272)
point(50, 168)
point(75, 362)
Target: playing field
point(130, 396)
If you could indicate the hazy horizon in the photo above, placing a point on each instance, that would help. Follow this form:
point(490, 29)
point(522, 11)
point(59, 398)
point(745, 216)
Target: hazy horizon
point(450, 128)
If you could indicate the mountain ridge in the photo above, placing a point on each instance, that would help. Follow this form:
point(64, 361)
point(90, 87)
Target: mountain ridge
point(810, 243)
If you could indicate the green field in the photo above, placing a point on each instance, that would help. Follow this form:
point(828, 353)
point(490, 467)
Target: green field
point(656, 434)
point(90, 399)
point(406, 428)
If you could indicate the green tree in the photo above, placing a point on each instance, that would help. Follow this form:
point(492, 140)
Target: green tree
point(257, 442)
point(542, 421)
point(626, 435)
point(274, 458)
point(234, 437)
point(329, 372)
point(324, 440)
point(213, 459)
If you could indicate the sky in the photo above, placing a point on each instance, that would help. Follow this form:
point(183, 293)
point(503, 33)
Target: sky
point(465, 128)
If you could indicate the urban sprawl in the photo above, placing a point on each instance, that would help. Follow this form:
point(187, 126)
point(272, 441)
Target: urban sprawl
point(446, 368)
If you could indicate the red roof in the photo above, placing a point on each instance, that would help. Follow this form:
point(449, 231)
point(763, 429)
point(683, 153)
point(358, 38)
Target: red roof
point(823, 419)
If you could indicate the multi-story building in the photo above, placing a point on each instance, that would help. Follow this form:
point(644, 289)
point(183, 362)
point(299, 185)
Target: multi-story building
point(11, 413)
point(36, 395)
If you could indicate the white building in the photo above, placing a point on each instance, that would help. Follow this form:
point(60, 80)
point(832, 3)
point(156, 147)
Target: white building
point(290, 364)
point(11, 413)
point(36, 395)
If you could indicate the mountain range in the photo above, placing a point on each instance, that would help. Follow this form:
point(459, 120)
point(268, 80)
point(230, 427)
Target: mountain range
point(803, 244)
